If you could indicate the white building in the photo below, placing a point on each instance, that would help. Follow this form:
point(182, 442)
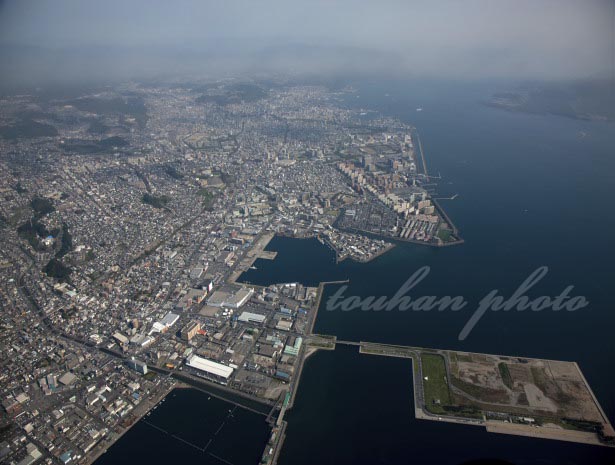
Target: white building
point(249, 317)
point(230, 300)
point(209, 368)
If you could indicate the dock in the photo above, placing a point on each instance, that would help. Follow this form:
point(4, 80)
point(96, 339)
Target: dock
point(256, 251)
point(267, 255)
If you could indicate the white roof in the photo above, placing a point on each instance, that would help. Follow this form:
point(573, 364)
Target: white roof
point(169, 319)
point(157, 326)
point(230, 299)
point(209, 366)
point(249, 316)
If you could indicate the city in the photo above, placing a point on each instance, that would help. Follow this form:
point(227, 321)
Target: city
point(127, 226)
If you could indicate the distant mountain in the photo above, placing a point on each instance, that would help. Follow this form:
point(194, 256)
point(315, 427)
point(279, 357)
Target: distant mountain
point(588, 99)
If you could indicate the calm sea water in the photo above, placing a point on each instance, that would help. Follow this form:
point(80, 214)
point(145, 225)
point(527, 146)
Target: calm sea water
point(533, 191)
point(192, 427)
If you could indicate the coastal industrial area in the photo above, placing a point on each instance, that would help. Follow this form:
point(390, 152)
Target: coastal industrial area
point(128, 216)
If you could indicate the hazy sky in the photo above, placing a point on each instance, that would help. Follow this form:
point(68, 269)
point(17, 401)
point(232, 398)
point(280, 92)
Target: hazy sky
point(453, 39)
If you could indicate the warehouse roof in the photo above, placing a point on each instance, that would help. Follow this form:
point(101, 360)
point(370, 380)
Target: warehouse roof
point(249, 316)
point(209, 366)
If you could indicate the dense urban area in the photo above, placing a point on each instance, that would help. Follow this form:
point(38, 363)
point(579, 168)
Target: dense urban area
point(128, 215)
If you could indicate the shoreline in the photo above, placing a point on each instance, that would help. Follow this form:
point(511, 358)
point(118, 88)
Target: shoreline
point(325, 241)
point(399, 239)
point(305, 351)
point(99, 451)
point(368, 259)
point(250, 257)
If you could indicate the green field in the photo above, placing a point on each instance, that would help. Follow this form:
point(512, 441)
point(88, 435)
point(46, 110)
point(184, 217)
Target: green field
point(435, 386)
point(208, 198)
point(505, 374)
point(445, 234)
point(156, 201)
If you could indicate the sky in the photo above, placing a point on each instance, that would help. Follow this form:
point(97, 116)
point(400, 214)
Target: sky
point(460, 39)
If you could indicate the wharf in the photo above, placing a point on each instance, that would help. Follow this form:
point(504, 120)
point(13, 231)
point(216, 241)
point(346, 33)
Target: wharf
point(256, 251)
point(268, 255)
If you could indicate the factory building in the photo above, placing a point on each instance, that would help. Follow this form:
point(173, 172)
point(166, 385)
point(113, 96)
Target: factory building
point(293, 346)
point(284, 324)
point(230, 299)
point(249, 317)
point(210, 369)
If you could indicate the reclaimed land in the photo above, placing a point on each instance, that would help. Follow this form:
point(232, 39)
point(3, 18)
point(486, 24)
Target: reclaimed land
point(522, 396)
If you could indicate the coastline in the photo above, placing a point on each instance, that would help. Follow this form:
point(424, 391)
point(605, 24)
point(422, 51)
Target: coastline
point(306, 352)
point(151, 404)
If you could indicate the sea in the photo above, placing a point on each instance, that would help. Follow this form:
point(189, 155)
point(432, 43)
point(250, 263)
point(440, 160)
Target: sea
point(190, 426)
point(532, 191)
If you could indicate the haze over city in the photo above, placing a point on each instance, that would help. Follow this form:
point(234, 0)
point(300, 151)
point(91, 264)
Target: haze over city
point(67, 40)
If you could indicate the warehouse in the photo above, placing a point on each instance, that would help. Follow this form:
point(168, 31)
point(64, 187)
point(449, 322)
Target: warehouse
point(249, 317)
point(230, 299)
point(210, 369)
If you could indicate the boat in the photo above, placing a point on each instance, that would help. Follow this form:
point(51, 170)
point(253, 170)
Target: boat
point(419, 109)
